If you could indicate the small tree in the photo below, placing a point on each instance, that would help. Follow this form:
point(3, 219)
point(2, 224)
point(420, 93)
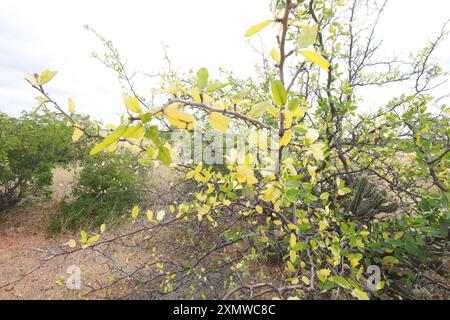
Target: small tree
point(329, 207)
point(30, 147)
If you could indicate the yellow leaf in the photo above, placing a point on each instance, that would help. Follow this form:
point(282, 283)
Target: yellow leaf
point(286, 138)
point(323, 274)
point(398, 235)
point(287, 119)
point(291, 267)
point(292, 256)
point(94, 238)
point(196, 95)
point(83, 236)
point(361, 295)
point(202, 211)
point(299, 112)
point(323, 225)
point(316, 58)
point(71, 106)
point(113, 147)
point(257, 27)
point(150, 215)
point(72, 243)
point(311, 136)
point(306, 280)
point(292, 226)
point(275, 55)
point(102, 228)
point(245, 174)
point(135, 212)
point(312, 172)
point(218, 121)
point(354, 260)
point(271, 193)
point(178, 118)
point(317, 152)
point(192, 173)
point(132, 104)
point(160, 215)
point(46, 76)
point(293, 240)
point(259, 209)
point(77, 134)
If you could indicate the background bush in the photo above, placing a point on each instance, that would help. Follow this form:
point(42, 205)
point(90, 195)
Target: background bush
point(30, 147)
point(107, 186)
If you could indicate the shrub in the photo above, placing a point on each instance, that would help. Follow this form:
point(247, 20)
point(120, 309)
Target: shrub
point(300, 211)
point(30, 147)
point(106, 187)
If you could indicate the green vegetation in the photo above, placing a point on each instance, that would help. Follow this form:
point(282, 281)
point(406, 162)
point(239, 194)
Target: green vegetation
point(355, 206)
point(107, 186)
point(30, 147)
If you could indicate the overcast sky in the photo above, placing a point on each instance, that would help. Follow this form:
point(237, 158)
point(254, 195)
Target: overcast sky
point(36, 35)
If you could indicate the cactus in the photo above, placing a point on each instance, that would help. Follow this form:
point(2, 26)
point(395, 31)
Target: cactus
point(368, 200)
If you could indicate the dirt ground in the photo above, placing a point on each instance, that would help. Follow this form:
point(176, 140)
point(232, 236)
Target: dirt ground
point(24, 244)
point(22, 239)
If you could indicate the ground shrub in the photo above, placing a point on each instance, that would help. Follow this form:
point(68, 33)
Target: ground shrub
point(107, 186)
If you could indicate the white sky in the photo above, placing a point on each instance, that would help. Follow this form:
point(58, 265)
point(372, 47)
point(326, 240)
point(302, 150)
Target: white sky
point(36, 35)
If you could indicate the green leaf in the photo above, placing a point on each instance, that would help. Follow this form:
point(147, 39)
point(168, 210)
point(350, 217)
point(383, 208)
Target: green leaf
point(300, 246)
point(259, 109)
point(152, 133)
point(361, 295)
point(164, 155)
point(202, 78)
point(113, 137)
point(340, 281)
point(213, 87)
point(293, 104)
point(390, 260)
point(292, 195)
point(324, 196)
point(278, 92)
point(134, 132)
point(146, 117)
point(307, 36)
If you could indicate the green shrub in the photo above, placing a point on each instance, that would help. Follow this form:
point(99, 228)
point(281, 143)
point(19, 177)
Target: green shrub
point(107, 186)
point(30, 147)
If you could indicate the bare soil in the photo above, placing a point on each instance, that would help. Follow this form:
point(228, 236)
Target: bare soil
point(24, 245)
